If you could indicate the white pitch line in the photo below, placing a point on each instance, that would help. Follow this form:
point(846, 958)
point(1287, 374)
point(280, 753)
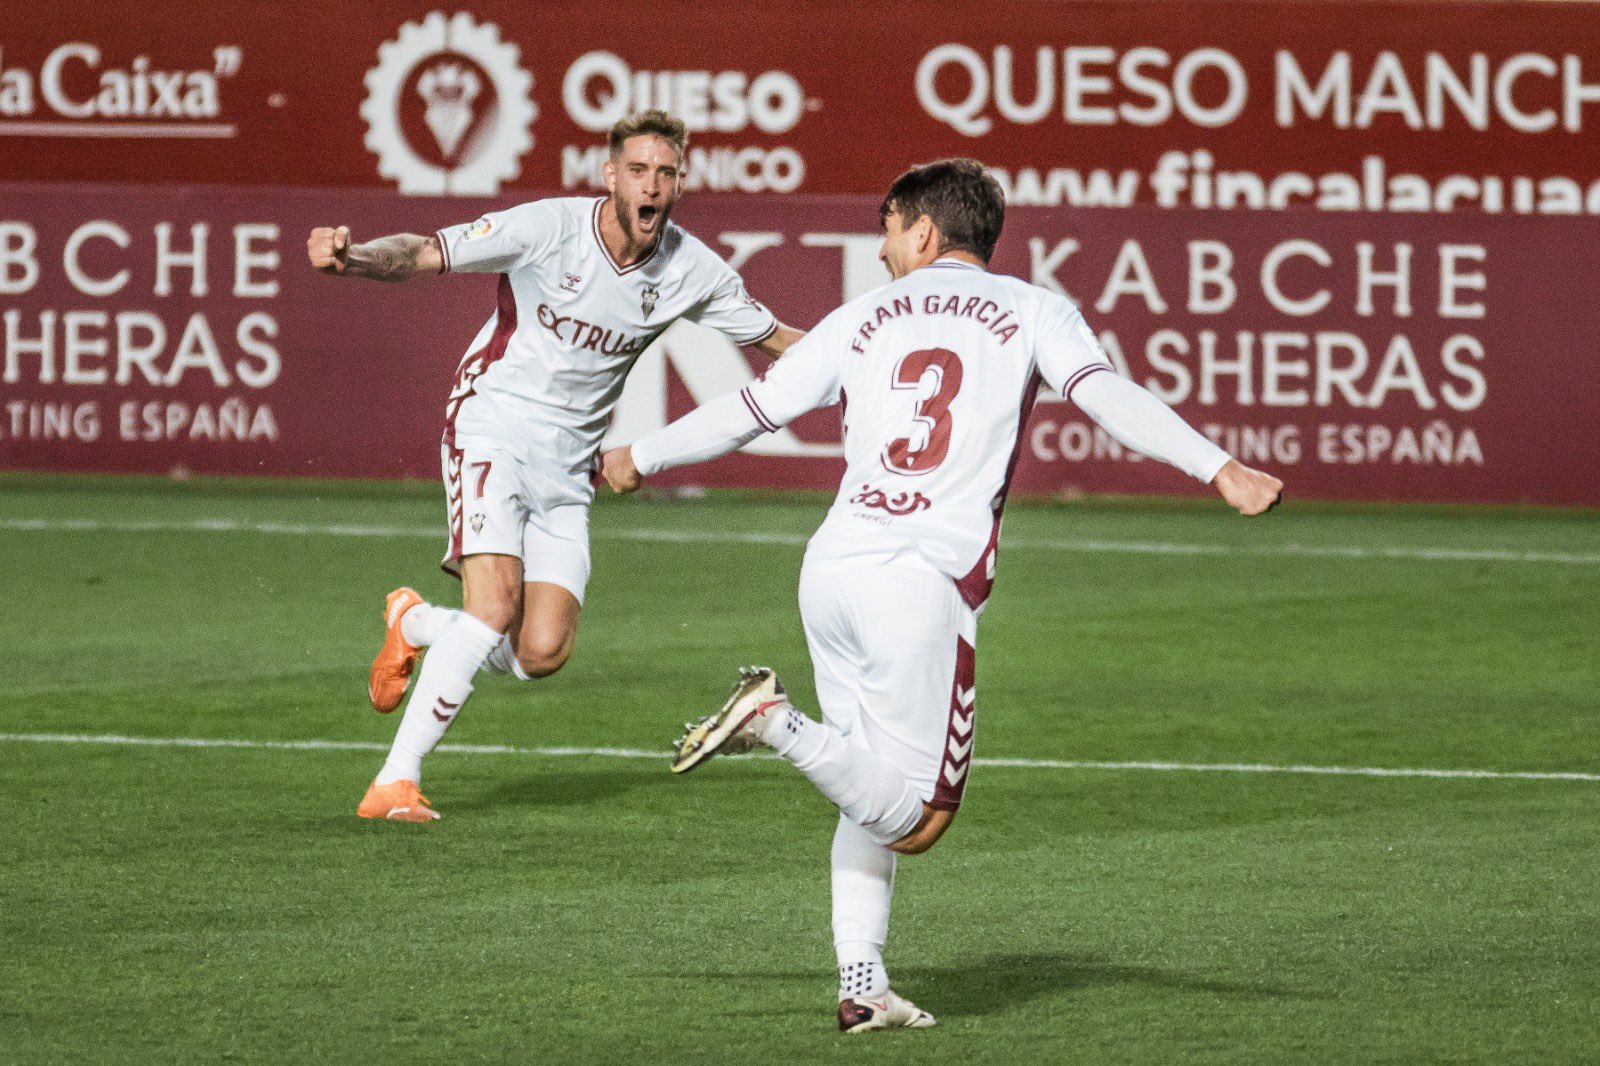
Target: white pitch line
point(636, 753)
point(686, 536)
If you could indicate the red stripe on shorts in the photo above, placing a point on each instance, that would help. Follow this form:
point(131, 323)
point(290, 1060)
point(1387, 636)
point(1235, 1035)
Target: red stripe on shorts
point(961, 731)
point(467, 374)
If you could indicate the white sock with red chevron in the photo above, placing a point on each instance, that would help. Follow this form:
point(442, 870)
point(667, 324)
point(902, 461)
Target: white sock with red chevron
point(443, 685)
point(863, 884)
point(869, 789)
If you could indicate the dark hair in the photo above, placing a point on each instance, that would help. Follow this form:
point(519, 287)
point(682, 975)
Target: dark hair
point(958, 196)
point(657, 122)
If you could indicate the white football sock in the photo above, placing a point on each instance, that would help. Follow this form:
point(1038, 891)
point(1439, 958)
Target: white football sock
point(868, 789)
point(425, 623)
point(443, 685)
point(503, 660)
point(863, 884)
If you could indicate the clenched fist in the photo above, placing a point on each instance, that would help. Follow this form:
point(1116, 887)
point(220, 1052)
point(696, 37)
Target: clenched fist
point(1251, 492)
point(618, 470)
point(329, 248)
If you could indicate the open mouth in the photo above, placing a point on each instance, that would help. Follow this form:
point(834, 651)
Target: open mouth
point(647, 217)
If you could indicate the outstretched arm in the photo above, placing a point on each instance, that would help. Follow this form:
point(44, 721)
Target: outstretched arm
point(395, 258)
point(708, 432)
point(1142, 422)
point(804, 379)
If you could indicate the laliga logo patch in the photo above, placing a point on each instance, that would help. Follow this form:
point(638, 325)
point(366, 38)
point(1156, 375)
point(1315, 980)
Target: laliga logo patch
point(448, 108)
point(480, 228)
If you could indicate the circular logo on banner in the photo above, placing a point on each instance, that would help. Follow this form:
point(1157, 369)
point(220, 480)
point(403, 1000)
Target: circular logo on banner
point(448, 108)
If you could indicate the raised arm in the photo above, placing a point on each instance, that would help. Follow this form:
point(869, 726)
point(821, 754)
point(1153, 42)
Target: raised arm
point(395, 258)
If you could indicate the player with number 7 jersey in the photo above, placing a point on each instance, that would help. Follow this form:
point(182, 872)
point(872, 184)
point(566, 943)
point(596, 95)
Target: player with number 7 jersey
point(936, 373)
point(586, 285)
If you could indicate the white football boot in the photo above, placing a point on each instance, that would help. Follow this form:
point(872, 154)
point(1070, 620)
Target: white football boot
point(736, 728)
point(865, 1014)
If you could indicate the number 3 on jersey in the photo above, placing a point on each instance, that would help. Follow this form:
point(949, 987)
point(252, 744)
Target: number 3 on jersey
point(926, 446)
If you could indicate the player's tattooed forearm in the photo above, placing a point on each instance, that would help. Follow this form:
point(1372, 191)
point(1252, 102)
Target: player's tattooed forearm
point(389, 258)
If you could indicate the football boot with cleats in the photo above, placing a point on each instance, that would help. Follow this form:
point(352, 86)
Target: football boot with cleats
point(737, 727)
point(865, 1014)
point(391, 670)
point(398, 801)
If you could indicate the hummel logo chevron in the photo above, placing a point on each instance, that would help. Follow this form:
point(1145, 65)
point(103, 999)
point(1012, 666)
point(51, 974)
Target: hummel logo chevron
point(961, 724)
point(959, 752)
point(445, 705)
point(966, 695)
point(954, 774)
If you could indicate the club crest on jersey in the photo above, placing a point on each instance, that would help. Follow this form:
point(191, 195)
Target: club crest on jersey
point(571, 282)
point(647, 299)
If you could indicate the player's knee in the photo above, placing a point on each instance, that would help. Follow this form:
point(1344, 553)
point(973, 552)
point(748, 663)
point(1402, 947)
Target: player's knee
point(542, 653)
point(926, 834)
point(915, 843)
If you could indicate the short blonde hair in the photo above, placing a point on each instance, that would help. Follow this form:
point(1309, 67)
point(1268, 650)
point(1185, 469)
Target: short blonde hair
point(659, 123)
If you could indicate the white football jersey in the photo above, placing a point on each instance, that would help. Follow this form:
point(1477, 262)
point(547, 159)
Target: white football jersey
point(549, 365)
point(936, 374)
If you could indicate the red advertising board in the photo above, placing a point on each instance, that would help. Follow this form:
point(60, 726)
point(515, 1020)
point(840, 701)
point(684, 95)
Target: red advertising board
point(1354, 242)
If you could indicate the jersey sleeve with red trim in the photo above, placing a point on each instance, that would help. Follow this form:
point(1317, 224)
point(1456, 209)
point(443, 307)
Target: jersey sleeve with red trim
point(1067, 349)
point(501, 241)
point(804, 377)
point(807, 376)
point(730, 310)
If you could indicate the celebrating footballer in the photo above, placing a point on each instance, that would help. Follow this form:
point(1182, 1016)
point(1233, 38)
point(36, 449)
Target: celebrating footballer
point(585, 286)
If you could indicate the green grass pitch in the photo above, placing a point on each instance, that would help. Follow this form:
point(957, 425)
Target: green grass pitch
point(223, 904)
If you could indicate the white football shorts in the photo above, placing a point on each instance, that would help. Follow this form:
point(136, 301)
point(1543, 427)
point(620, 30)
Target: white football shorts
point(499, 506)
point(894, 654)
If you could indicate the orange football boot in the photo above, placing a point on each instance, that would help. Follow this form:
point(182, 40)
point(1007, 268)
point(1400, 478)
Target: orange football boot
point(398, 801)
point(391, 670)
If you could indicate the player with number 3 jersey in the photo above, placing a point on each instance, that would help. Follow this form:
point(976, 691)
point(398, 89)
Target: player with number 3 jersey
point(935, 373)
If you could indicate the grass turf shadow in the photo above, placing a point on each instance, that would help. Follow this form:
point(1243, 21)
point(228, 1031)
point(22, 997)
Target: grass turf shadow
point(560, 788)
point(996, 983)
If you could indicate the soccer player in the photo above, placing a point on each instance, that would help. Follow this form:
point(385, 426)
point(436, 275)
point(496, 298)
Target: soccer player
point(586, 284)
point(936, 373)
